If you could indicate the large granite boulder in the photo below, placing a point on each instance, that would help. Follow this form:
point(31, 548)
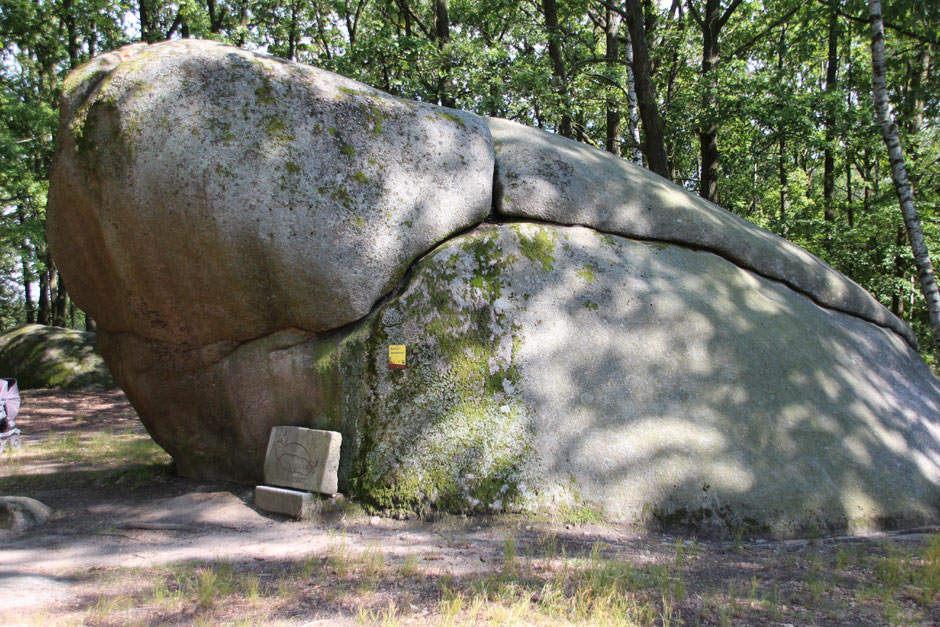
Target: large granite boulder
point(215, 194)
point(606, 340)
point(40, 356)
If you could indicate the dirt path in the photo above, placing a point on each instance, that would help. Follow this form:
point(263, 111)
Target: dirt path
point(122, 525)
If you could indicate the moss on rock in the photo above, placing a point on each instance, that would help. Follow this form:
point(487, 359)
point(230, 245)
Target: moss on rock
point(40, 356)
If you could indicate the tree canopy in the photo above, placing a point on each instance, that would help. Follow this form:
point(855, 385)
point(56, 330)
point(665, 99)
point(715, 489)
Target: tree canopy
point(764, 106)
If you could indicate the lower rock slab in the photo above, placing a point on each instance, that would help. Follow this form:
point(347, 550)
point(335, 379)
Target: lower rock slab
point(295, 503)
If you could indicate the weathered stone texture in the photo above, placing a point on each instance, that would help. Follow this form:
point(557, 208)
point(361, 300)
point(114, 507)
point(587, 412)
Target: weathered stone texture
point(295, 503)
point(552, 178)
point(40, 356)
point(203, 193)
point(251, 235)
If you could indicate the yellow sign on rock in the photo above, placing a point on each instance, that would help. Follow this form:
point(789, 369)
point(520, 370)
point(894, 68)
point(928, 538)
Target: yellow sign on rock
point(396, 356)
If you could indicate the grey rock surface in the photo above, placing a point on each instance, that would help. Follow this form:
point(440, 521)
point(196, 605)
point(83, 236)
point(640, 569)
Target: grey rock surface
point(201, 192)
point(294, 503)
point(19, 513)
point(560, 368)
point(672, 364)
point(40, 356)
point(559, 180)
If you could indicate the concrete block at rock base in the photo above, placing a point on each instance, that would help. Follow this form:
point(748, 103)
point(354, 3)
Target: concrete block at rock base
point(285, 501)
point(305, 459)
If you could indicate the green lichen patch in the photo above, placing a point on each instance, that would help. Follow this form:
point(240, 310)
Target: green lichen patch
point(537, 244)
point(348, 150)
point(264, 93)
point(374, 115)
point(446, 433)
point(487, 253)
point(221, 130)
point(360, 177)
point(275, 128)
point(450, 117)
point(586, 273)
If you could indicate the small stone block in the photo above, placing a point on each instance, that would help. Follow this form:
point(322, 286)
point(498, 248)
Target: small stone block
point(305, 459)
point(283, 501)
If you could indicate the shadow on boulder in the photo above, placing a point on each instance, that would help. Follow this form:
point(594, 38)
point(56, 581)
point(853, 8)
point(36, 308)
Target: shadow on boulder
point(39, 356)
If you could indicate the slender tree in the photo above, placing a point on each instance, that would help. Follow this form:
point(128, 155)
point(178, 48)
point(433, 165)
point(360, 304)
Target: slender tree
point(902, 185)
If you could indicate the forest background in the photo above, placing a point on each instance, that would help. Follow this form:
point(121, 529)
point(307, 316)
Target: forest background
point(763, 106)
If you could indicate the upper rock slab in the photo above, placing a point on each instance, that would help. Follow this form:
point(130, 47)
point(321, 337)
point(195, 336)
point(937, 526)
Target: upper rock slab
point(548, 177)
point(201, 192)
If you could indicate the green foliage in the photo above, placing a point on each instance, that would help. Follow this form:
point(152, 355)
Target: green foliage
point(769, 84)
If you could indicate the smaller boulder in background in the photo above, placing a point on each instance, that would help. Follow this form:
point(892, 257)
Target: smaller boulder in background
point(40, 356)
point(19, 513)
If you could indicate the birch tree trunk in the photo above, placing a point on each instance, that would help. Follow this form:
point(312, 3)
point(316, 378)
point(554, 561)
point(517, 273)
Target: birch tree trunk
point(633, 114)
point(902, 185)
point(612, 32)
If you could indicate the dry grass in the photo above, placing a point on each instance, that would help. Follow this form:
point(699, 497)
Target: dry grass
point(541, 573)
point(541, 583)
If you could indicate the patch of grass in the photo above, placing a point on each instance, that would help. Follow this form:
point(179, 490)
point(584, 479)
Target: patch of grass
point(410, 566)
point(98, 458)
point(579, 514)
point(339, 559)
point(373, 561)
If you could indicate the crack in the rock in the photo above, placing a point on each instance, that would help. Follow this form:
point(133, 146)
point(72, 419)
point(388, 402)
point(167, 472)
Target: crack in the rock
point(492, 218)
point(812, 297)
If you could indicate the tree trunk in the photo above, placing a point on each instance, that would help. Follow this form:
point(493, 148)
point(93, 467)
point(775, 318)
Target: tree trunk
point(143, 14)
point(442, 33)
point(28, 293)
point(633, 115)
point(44, 315)
point(849, 194)
point(550, 9)
point(784, 183)
point(900, 271)
point(612, 31)
point(782, 154)
point(654, 146)
point(832, 65)
point(708, 135)
point(889, 132)
point(292, 32)
point(60, 305)
point(68, 11)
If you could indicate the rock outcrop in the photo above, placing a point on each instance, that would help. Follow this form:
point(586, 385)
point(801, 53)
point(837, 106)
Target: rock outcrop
point(20, 513)
point(40, 356)
point(606, 340)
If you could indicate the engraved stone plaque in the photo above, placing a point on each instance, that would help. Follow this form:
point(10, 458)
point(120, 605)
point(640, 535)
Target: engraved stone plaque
point(304, 459)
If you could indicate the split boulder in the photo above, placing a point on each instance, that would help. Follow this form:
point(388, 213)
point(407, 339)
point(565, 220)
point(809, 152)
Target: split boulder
point(607, 340)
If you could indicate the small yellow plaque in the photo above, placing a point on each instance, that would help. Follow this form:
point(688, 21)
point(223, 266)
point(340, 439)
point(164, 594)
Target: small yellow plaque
point(396, 356)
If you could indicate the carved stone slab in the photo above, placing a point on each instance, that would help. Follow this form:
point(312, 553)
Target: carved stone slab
point(304, 459)
point(296, 503)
